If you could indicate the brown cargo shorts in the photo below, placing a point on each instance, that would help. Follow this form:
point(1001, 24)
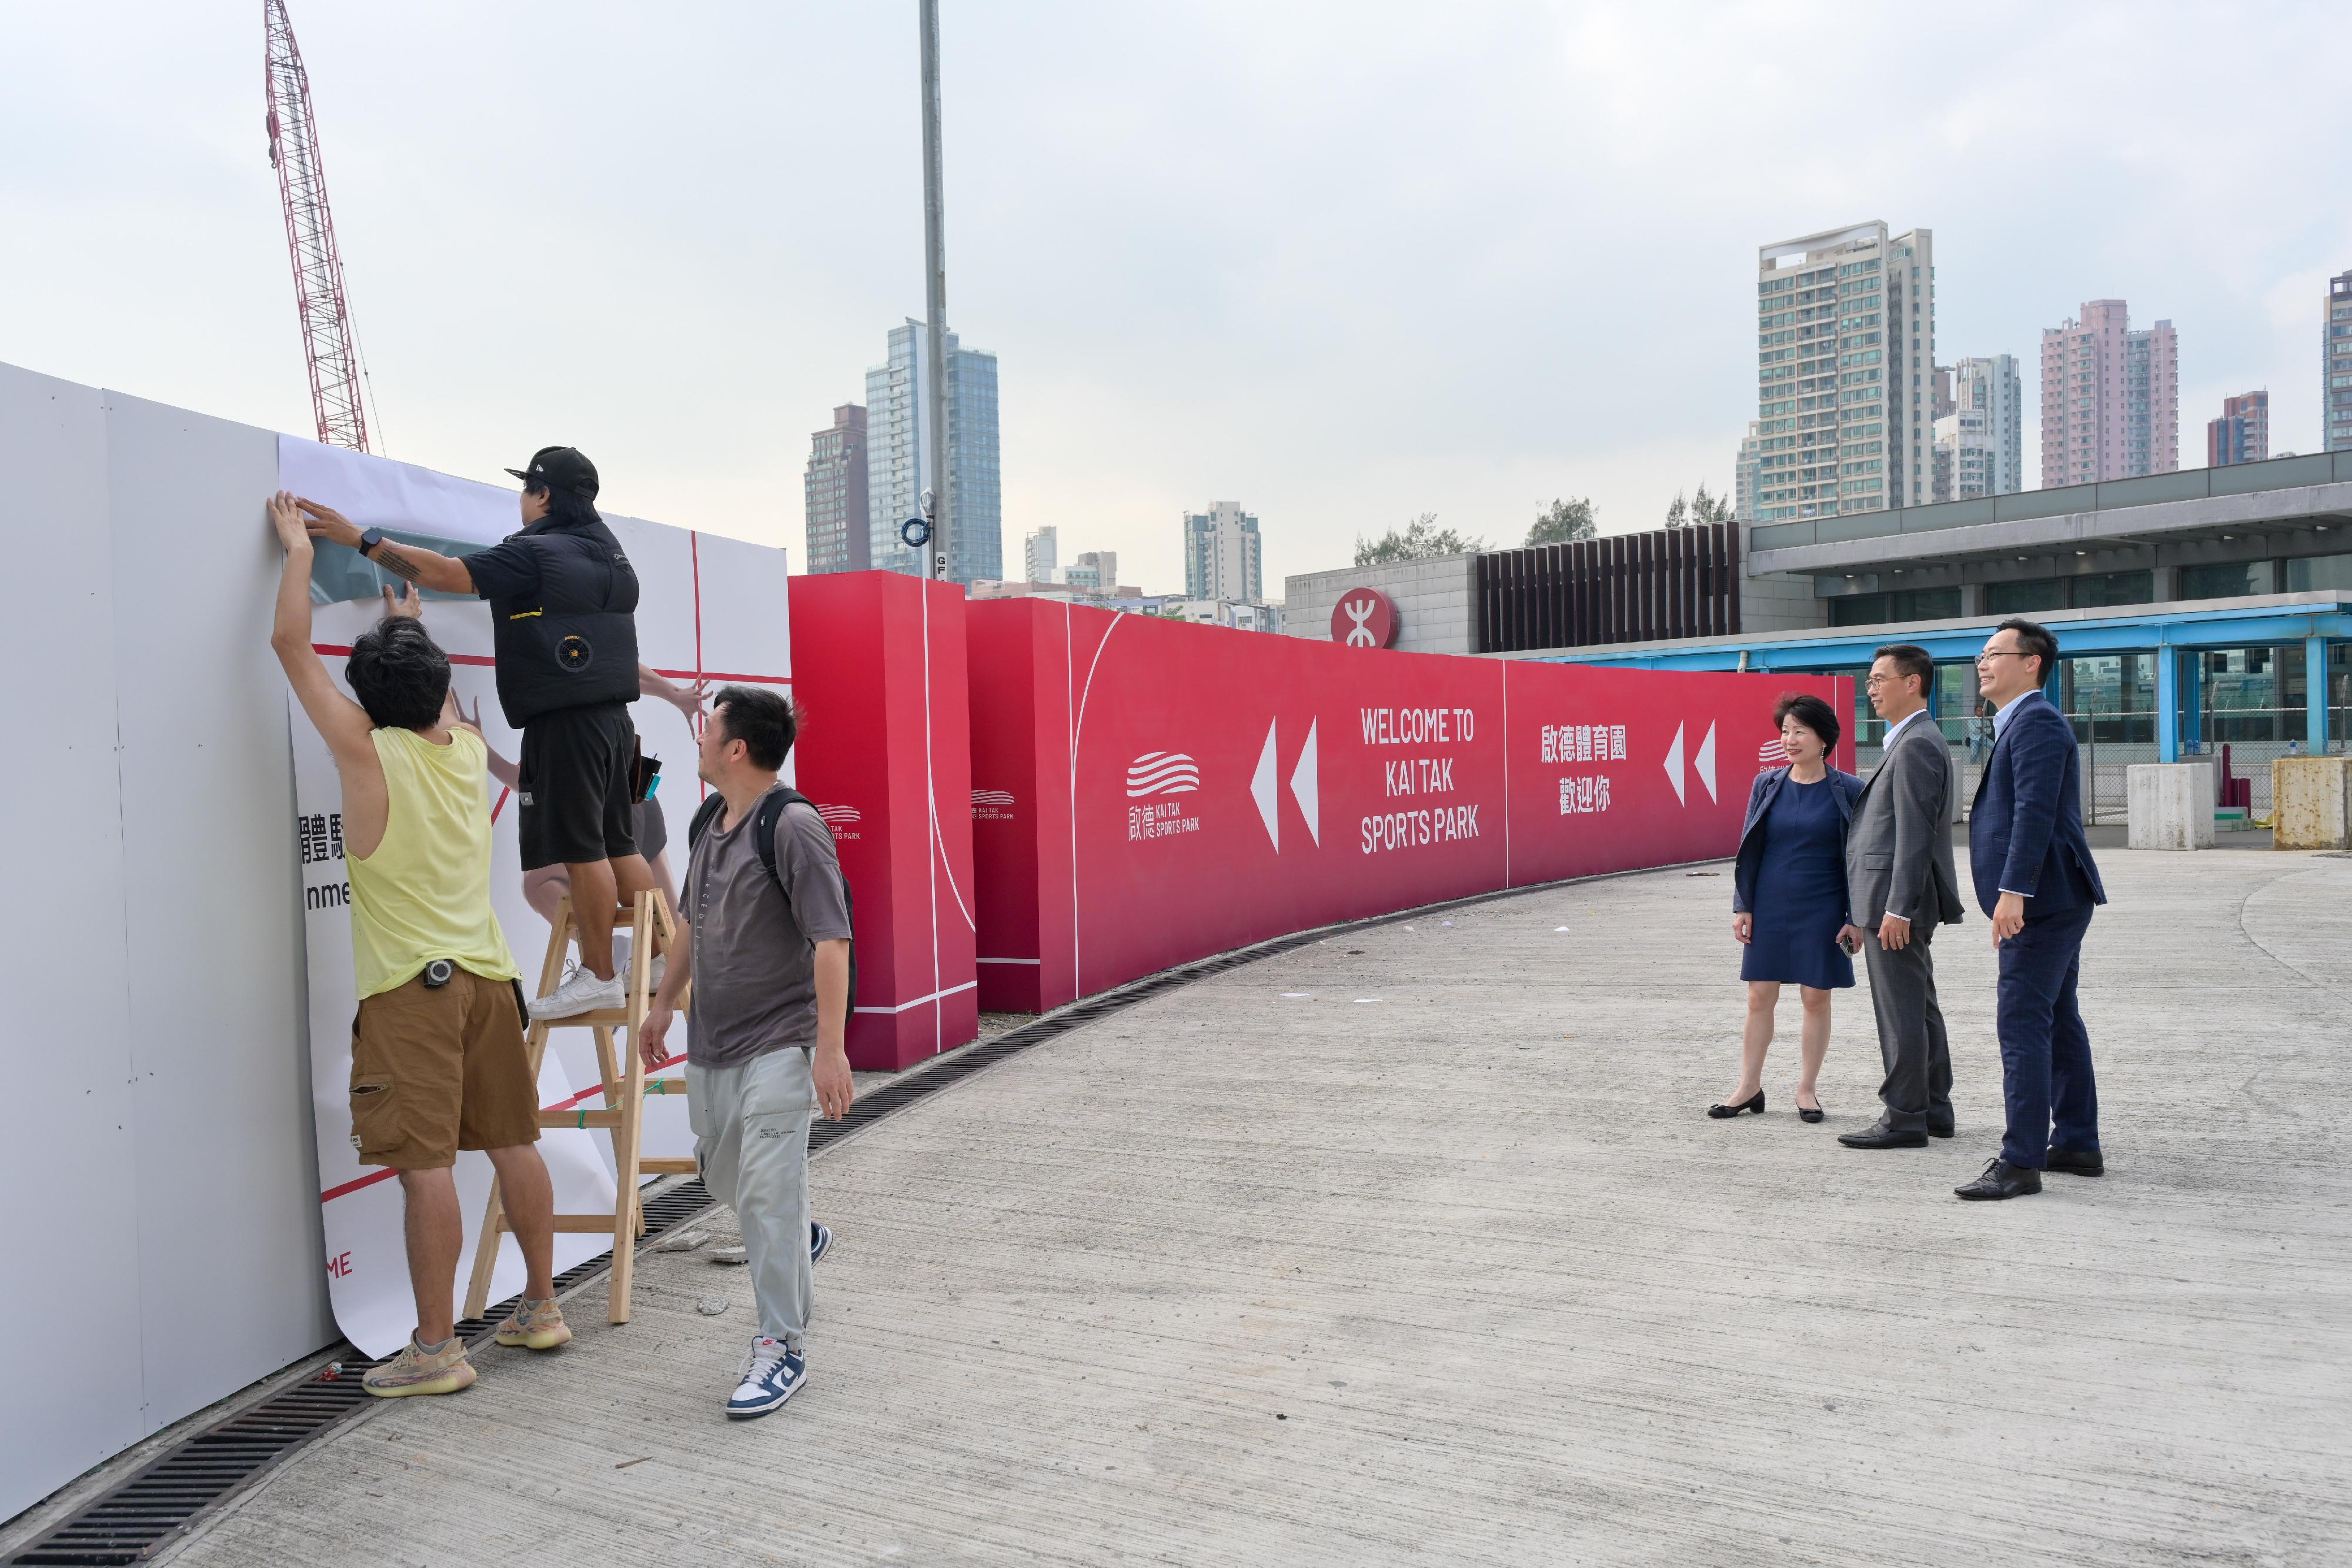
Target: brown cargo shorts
point(439, 1069)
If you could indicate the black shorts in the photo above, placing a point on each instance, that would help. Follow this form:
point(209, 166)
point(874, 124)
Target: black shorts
point(573, 790)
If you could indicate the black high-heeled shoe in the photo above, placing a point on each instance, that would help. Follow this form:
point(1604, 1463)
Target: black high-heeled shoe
point(1814, 1115)
point(1754, 1102)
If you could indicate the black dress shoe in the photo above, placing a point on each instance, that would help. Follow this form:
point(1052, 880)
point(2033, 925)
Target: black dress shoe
point(2002, 1179)
point(2075, 1162)
point(1754, 1102)
point(1879, 1136)
point(1943, 1132)
point(1809, 1113)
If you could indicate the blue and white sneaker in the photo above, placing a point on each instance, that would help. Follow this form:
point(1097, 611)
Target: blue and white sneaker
point(771, 1374)
point(820, 1241)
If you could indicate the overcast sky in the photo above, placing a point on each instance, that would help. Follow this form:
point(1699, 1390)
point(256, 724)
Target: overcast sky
point(1343, 264)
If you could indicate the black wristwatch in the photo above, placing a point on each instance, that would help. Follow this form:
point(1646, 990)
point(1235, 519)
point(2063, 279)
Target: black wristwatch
point(370, 539)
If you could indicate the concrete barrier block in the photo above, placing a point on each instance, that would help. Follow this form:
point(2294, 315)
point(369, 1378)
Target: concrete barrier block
point(2311, 803)
point(2171, 805)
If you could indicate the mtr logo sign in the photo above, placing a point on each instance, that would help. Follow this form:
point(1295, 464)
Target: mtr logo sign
point(1364, 618)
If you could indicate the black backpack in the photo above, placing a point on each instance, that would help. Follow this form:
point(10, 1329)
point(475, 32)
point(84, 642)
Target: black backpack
point(763, 839)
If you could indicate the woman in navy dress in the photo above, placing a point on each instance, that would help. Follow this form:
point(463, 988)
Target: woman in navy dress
point(1789, 898)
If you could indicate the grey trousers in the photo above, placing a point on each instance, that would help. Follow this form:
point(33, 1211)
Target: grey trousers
point(1917, 1092)
point(750, 1137)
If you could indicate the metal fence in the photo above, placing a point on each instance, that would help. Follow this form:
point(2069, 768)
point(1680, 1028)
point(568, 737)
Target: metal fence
point(2251, 734)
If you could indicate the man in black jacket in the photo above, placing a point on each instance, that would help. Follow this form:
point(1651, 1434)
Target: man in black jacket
point(562, 614)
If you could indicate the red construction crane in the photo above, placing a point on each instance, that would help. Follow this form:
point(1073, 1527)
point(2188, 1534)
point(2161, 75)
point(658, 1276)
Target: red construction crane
point(328, 342)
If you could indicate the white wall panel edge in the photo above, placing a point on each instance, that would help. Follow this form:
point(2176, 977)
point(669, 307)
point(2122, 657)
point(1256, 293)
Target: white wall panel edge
point(71, 1287)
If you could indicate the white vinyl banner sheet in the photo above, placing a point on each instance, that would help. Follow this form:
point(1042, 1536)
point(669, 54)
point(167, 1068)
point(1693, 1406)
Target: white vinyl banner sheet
point(710, 610)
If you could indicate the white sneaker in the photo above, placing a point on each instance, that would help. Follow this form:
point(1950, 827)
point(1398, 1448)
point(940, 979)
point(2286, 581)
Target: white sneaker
point(771, 1374)
point(581, 992)
point(621, 965)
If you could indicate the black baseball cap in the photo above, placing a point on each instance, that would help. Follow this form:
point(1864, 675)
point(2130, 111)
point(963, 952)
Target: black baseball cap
point(559, 468)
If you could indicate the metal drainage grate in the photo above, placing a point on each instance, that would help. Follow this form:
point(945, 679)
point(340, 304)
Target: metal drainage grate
point(137, 1519)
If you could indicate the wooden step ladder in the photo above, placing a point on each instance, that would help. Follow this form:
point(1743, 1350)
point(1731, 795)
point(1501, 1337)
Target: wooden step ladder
point(623, 1070)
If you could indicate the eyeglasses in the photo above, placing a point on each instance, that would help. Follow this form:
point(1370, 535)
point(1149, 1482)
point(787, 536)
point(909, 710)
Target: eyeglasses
point(2005, 653)
point(1874, 682)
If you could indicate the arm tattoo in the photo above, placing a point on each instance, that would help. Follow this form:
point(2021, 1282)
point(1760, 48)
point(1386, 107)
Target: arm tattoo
point(387, 556)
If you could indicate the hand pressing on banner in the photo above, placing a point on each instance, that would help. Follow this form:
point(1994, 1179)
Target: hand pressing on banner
point(687, 700)
point(413, 564)
point(407, 604)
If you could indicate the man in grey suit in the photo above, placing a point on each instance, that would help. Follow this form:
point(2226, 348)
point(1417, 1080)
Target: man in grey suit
point(1902, 885)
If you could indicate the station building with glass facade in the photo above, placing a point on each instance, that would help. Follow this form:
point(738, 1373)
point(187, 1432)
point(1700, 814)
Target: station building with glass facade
point(2193, 610)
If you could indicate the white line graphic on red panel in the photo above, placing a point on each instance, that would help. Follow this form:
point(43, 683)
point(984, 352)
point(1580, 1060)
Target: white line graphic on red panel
point(1704, 763)
point(1077, 732)
point(1505, 667)
point(1262, 789)
point(1772, 753)
point(920, 1001)
point(1674, 764)
point(938, 838)
point(840, 814)
point(1303, 787)
point(991, 796)
point(1163, 773)
point(931, 799)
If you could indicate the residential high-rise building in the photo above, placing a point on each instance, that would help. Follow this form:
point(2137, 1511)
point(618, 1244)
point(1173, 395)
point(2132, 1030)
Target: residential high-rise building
point(1743, 478)
point(898, 458)
point(2110, 398)
point(1845, 345)
point(1095, 570)
point(2336, 367)
point(1991, 385)
point(1222, 555)
point(835, 491)
point(1966, 459)
point(1944, 400)
point(2242, 434)
point(1039, 557)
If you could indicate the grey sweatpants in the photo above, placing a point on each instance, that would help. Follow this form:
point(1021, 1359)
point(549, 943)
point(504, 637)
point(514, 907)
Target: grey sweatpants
point(750, 1137)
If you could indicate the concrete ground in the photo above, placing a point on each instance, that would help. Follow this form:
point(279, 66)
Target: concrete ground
point(1415, 1245)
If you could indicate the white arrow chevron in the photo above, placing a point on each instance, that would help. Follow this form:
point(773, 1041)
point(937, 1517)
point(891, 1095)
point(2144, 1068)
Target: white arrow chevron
point(1303, 789)
point(1704, 763)
point(1674, 764)
point(1262, 787)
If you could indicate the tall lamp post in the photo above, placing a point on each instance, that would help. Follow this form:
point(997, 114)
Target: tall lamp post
point(935, 287)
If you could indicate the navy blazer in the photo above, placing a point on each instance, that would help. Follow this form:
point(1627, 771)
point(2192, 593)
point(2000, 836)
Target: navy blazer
point(1846, 790)
point(2025, 829)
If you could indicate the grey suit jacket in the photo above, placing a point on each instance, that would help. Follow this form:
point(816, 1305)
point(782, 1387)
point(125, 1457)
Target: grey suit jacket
point(1898, 853)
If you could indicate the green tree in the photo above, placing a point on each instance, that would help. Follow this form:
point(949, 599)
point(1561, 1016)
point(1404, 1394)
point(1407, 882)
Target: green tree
point(1699, 511)
point(1564, 523)
point(1417, 540)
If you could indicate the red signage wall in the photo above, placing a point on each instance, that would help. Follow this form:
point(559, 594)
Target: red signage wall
point(1146, 793)
point(885, 751)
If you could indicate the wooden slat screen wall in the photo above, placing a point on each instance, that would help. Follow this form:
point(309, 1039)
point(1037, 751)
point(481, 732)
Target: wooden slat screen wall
point(1626, 588)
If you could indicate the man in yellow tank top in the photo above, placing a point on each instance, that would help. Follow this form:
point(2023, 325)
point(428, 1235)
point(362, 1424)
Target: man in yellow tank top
point(438, 1059)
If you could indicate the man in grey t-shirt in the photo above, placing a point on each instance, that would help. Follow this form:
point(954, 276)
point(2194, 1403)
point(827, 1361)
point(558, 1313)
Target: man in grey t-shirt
point(768, 954)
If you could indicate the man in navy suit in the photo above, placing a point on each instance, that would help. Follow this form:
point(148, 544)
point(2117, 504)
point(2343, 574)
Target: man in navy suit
point(2035, 876)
